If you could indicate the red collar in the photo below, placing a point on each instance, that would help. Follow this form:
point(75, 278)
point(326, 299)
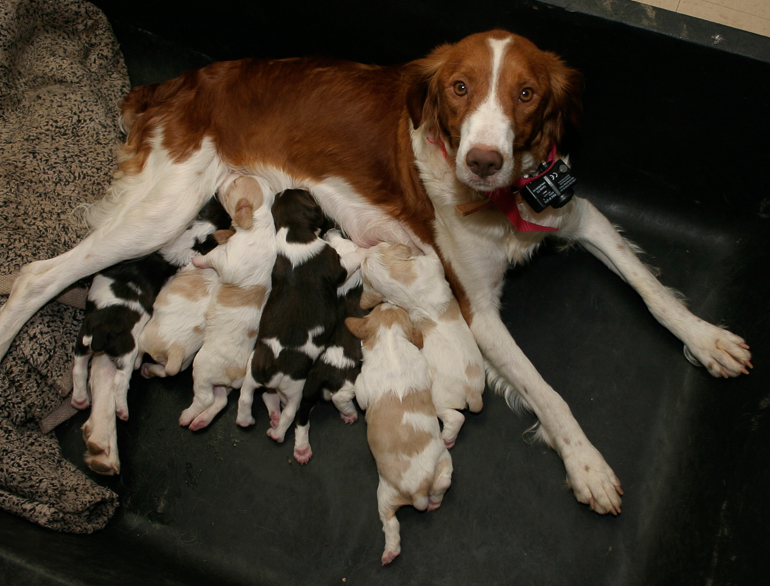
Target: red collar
point(505, 199)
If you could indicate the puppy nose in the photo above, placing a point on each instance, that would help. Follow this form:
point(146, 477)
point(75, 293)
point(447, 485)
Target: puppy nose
point(484, 161)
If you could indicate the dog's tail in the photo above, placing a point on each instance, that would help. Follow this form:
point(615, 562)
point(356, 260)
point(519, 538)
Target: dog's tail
point(137, 102)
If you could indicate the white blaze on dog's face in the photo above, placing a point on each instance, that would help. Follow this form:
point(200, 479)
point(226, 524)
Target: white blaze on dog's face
point(497, 102)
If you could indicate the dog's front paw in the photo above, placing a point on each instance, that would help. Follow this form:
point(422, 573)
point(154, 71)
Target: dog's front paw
point(593, 481)
point(722, 353)
point(272, 433)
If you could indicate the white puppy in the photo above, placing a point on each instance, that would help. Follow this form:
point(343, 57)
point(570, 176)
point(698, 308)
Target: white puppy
point(414, 465)
point(244, 265)
point(177, 327)
point(417, 284)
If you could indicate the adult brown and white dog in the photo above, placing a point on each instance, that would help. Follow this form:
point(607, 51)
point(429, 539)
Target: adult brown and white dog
point(388, 152)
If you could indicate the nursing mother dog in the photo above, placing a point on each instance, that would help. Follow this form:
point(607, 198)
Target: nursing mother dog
point(388, 153)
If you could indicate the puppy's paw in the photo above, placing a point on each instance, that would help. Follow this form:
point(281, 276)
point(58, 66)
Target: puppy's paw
point(245, 420)
point(275, 435)
point(80, 401)
point(723, 353)
point(390, 554)
point(592, 480)
point(349, 417)
point(189, 414)
point(302, 454)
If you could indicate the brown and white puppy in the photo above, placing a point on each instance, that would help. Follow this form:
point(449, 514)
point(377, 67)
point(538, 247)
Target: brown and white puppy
point(176, 329)
point(416, 283)
point(244, 265)
point(468, 120)
point(414, 465)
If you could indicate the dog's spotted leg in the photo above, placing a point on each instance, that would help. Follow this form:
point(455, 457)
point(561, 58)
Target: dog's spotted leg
point(590, 477)
point(723, 353)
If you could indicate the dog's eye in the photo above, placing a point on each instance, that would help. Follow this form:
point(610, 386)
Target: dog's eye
point(460, 88)
point(526, 95)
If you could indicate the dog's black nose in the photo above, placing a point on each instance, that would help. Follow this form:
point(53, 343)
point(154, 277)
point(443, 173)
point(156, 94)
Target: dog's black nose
point(484, 161)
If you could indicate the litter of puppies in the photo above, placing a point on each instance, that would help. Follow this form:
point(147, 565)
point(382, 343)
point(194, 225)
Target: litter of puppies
point(262, 293)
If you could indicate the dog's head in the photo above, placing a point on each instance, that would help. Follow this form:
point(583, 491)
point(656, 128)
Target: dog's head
point(496, 101)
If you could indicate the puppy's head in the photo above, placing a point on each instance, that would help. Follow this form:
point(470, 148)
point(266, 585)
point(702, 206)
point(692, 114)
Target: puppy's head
point(497, 102)
point(383, 317)
point(241, 197)
point(393, 272)
point(296, 210)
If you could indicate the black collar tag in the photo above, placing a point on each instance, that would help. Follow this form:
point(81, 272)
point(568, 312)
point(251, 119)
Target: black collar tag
point(553, 188)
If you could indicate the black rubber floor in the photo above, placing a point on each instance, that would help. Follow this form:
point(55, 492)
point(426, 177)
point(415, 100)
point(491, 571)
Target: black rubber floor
point(674, 149)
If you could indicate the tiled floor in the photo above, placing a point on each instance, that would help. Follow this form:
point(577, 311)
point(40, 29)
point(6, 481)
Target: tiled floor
point(748, 15)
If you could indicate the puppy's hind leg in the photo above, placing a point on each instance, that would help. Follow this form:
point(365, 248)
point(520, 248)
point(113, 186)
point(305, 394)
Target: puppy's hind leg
point(292, 390)
point(453, 421)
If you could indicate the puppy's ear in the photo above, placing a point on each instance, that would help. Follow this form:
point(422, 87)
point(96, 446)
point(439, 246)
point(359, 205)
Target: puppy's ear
point(370, 298)
point(422, 85)
point(244, 213)
point(358, 326)
point(241, 198)
point(222, 236)
point(415, 337)
point(563, 107)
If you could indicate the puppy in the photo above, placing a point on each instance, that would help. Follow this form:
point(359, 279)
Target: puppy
point(120, 303)
point(176, 329)
point(333, 375)
point(118, 306)
point(414, 465)
point(244, 265)
point(299, 317)
point(416, 283)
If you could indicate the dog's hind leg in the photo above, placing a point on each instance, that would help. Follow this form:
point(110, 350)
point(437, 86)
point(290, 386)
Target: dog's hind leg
point(144, 212)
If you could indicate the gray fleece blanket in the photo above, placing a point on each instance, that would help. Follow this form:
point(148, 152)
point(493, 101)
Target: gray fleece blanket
point(62, 78)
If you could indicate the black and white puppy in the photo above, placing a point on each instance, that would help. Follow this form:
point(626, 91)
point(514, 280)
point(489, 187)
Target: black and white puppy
point(118, 306)
point(334, 373)
point(299, 316)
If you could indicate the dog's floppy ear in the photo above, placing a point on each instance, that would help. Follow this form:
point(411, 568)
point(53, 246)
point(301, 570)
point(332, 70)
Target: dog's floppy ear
point(358, 326)
point(222, 236)
point(563, 109)
point(370, 298)
point(244, 213)
point(422, 86)
point(415, 337)
point(241, 198)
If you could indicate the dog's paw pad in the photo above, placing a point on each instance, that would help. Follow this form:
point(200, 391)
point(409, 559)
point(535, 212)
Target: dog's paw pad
point(723, 353)
point(593, 482)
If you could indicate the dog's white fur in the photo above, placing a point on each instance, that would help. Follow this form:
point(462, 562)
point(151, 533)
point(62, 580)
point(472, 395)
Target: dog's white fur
point(244, 265)
point(413, 463)
point(417, 284)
